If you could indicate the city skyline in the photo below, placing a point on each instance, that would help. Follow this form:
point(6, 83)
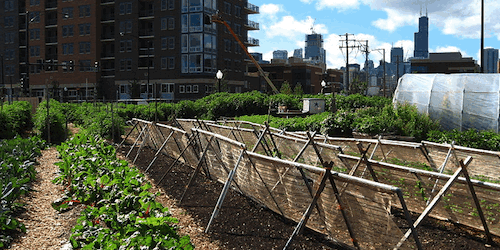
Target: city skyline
point(385, 24)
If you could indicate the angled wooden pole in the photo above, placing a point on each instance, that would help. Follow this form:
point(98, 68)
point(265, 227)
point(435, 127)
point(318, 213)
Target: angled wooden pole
point(159, 150)
point(128, 134)
point(191, 140)
point(307, 214)
point(136, 140)
point(196, 170)
point(223, 194)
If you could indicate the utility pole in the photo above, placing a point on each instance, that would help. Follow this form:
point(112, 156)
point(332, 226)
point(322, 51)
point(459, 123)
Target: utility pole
point(347, 46)
point(367, 52)
point(482, 36)
point(383, 55)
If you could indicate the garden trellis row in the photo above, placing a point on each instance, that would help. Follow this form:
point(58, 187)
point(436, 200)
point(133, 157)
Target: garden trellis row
point(335, 186)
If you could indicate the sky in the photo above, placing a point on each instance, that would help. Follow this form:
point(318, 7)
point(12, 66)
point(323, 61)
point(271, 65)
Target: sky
point(453, 26)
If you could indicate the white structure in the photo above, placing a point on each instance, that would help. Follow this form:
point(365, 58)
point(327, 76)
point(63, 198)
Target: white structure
point(460, 101)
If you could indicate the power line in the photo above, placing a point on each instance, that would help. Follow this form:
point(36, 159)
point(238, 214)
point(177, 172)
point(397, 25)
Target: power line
point(347, 46)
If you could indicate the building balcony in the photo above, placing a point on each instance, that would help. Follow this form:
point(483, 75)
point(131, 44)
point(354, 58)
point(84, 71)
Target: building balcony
point(252, 42)
point(251, 8)
point(107, 2)
point(251, 25)
point(146, 13)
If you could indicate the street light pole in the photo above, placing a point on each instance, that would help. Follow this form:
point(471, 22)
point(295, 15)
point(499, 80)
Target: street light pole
point(219, 76)
point(27, 80)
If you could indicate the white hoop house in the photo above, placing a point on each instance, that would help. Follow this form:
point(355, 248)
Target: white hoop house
point(460, 101)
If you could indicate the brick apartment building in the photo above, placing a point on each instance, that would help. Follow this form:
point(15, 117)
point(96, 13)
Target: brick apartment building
point(117, 47)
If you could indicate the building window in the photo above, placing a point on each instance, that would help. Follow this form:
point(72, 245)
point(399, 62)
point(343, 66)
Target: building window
point(227, 8)
point(195, 88)
point(207, 63)
point(184, 43)
point(184, 5)
point(181, 89)
point(126, 26)
point(84, 29)
point(188, 88)
point(10, 54)
point(167, 88)
point(195, 24)
point(8, 21)
point(184, 23)
point(171, 42)
point(67, 48)
point(125, 8)
point(164, 23)
point(34, 34)
point(126, 65)
point(171, 4)
point(171, 63)
point(35, 16)
point(237, 11)
point(195, 5)
point(123, 89)
point(67, 30)
point(164, 63)
point(9, 5)
point(195, 63)
point(9, 37)
point(184, 63)
point(171, 23)
point(84, 47)
point(67, 13)
point(125, 46)
point(84, 10)
point(195, 42)
point(209, 43)
point(164, 44)
point(227, 45)
point(34, 2)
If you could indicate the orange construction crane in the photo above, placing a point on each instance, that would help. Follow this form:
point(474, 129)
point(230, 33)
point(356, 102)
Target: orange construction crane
point(217, 19)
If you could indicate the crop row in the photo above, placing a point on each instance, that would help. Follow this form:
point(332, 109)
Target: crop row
point(17, 160)
point(120, 212)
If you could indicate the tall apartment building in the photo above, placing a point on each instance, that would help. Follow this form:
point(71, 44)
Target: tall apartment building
point(280, 54)
point(491, 60)
point(123, 48)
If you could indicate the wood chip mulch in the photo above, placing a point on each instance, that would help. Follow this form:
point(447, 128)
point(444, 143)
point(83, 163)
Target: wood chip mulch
point(48, 229)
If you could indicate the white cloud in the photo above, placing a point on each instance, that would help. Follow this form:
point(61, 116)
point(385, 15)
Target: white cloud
point(441, 49)
point(338, 4)
point(307, 1)
point(270, 10)
point(289, 27)
point(395, 19)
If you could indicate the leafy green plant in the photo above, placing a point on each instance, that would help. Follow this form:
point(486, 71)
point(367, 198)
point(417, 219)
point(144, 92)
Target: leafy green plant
point(16, 172)
point(120, 212)
point(15, 119)
point(56, 118)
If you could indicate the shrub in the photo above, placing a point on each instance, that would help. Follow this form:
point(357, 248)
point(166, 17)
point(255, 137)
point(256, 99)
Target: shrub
point(15, 119)
point(57, 121)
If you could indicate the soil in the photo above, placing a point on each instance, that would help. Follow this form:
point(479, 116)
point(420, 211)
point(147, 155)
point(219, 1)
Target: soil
point(244, 224)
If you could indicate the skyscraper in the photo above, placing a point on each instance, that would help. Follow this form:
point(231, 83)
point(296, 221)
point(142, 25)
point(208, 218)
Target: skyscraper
point(421, 38)
point(297, 53)
point(397, 60)
point(314, 48)
point(490, 60)
point(280, 54)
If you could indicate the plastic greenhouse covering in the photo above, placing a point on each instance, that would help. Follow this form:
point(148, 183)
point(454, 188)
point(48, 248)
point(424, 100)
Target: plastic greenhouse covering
point(460, 101)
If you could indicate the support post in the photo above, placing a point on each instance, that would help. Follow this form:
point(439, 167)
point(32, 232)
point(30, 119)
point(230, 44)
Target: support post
point(223, 194)
point(136, 140)
point(159, 150)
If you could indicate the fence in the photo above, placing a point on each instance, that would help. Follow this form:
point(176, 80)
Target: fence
point(334, 186)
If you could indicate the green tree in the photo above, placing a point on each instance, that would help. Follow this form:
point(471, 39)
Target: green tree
point(285, 88)
point(298, 89)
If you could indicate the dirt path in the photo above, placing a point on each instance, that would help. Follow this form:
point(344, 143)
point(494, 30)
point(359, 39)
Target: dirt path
point(45, 227)
point(48, 229)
